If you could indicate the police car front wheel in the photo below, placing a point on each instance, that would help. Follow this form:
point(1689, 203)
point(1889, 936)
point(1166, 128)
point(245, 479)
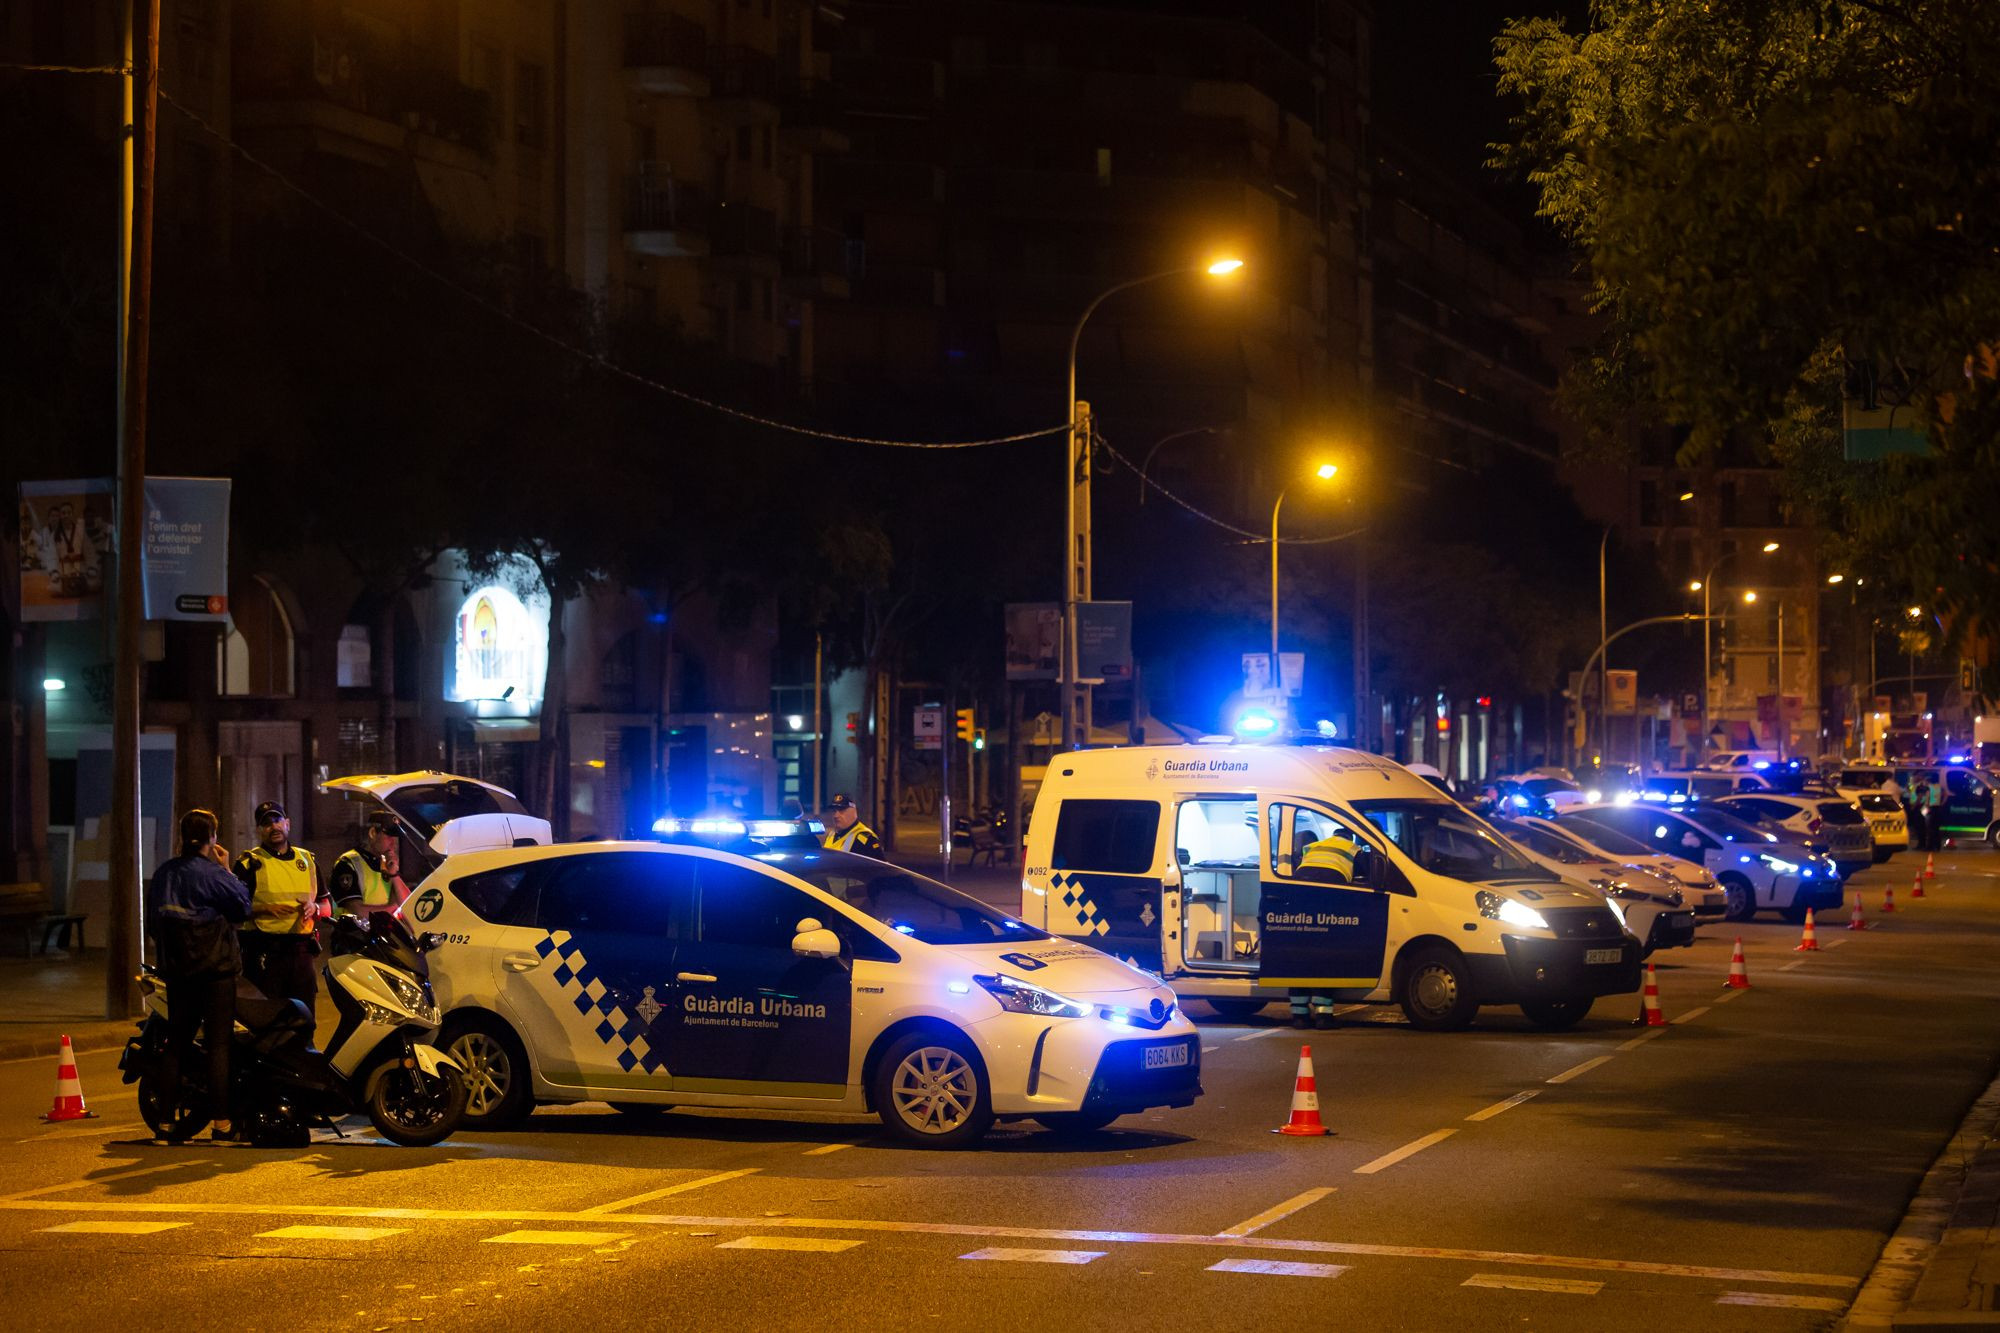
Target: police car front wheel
point(931, 1090)
point(498, 1090)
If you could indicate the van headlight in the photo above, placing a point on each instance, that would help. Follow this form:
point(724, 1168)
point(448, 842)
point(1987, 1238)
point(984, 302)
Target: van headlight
point(1017, 996)
point(1508, 912)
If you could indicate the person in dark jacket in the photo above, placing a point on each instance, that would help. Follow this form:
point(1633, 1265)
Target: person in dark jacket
point(195, 906)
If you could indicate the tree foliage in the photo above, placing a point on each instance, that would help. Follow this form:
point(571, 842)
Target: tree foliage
point(1768, 193)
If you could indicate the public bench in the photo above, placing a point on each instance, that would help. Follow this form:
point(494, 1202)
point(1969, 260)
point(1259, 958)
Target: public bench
point(27, 908)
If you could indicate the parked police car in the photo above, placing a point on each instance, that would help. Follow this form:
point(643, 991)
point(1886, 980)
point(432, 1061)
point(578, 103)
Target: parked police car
point(783, 977)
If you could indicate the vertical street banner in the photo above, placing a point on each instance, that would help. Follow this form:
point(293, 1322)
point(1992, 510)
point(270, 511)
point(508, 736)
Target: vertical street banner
point(1104, 641)
point(67, 558)
point(186, 560)
point(1034, 640)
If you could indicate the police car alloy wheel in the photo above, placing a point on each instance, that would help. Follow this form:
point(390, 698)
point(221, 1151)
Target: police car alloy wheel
point(498, 1094)
point(1437, 993)
point(1742, 899)
point(931, 1090)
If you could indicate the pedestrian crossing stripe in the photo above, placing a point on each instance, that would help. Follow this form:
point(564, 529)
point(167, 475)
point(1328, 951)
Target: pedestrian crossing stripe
point(331, 1233)
point(1277, 1268)
point(819, 1244)
point(558, 1238)
point(111, 1228)
point(1003, 1255)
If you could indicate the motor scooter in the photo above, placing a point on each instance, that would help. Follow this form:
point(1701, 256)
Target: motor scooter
point(280, 1085)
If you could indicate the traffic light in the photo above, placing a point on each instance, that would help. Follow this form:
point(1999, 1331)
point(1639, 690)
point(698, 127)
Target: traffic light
point(979, 738)
point(965, 727)
point(854, 728)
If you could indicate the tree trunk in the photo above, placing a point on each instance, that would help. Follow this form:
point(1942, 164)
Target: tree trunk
point(554, 744)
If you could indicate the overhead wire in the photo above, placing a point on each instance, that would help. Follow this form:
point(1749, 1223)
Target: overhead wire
point(598, 359)
point(1258, 538)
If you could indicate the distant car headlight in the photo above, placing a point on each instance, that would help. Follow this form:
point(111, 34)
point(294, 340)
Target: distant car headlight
point(1017, 996)
point(1508, 912)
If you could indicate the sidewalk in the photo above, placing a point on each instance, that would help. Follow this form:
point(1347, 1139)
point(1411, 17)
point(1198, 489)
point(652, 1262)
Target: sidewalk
point(44, 997)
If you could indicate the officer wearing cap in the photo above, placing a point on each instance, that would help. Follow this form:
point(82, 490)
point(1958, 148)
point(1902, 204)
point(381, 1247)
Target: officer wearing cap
point(365, 878)
point(1327, 860)
point(286, 903)
point(844, 830)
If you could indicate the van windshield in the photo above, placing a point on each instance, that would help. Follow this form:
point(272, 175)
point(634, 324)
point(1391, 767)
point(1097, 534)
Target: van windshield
point(1447, 839)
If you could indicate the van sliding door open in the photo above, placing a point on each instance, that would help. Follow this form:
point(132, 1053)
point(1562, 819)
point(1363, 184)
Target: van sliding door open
point(1215, 839)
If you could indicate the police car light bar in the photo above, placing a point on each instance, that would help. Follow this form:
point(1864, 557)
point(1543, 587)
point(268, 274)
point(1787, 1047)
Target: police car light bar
point(724, 827)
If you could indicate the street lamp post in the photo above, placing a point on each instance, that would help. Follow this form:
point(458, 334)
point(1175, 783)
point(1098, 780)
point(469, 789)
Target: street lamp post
point(1784, 724)
point(1076, 509)
point(1324, 472)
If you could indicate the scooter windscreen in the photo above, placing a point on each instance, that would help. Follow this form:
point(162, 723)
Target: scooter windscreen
point(383, 937)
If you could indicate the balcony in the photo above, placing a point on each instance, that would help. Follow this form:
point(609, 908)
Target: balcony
point(743, 86)
point(819, 263)
point(744, 233)
point(665, 217)
point(358, 97)
point(809, 118)
point(666, 55)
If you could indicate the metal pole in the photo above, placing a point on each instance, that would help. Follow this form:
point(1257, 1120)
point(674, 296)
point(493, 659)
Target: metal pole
point(1276, 677)
point(121, 997)
point(819, 728)
point(1603, 665)
point(1362, 685)
point(1784, 726)
point(1707, 660)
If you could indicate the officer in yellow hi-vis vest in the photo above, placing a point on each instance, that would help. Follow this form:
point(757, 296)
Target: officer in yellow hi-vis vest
point(1327, 860)
point(286, 904)
point(844, 830)
point(365, 878)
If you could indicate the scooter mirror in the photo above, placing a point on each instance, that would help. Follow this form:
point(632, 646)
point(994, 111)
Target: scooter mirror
point(429, 940)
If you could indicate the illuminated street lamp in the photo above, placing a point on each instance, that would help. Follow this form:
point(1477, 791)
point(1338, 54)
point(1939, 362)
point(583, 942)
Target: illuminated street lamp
point(1076, 504)
point(1784, 726)
point(1324, 472)
point(1703, 586)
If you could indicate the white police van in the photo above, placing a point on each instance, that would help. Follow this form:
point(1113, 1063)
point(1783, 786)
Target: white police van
point(780, 976)
point(1198, 862)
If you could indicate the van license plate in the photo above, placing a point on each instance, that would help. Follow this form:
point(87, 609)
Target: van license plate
point(1164, 1057)
point(1592, 956)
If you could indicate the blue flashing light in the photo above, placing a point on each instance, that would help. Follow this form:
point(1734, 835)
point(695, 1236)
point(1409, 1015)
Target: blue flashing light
point(1012, 925)
point(1256, 722)
point(1761, 764)
point(1807, 872)
point(1521, 802)
point(1325, 726)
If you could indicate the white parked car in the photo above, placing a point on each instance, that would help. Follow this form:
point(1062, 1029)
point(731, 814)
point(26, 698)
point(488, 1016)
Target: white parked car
point(1697, 884)
point(1651, 907)
point(787, 978)
point(1741, 759)
point(1831, 820)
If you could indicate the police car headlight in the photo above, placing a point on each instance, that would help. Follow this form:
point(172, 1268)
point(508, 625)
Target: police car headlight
point(1508, 912)
point(1017, 996)
point(1778, 863)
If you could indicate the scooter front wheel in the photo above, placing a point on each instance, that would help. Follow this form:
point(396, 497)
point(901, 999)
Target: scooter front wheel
point(416, 1109)
point(176, 1122)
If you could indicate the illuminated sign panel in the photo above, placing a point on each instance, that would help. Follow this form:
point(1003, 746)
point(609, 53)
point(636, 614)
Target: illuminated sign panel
point(498, 645)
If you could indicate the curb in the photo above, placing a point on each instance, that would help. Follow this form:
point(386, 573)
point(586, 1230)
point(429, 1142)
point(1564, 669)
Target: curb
point(1932, 1254)
point(100, 1036)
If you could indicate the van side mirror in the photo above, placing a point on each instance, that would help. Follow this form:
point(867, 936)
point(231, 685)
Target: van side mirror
point(815, 941)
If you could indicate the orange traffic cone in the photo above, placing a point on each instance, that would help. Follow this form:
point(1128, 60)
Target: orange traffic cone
point(1808, 940)
point(1888, 899)
point(69, 1091)
point(1649, 1003)
point(1930, 865)
point(1739, 976)
point(1857, 921)
point(1917, 886)
point(1305, 1122)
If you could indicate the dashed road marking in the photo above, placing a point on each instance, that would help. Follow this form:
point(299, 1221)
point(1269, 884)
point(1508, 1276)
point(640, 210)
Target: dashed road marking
point(1692, 1014)
point(72, 1132)
point(557, 1237)
point(331, 1233)
point(1796, 962)
point(1639, 1040)
point(1260, 1032)
point(825, 1148)
point(1498, 1107)
point(1781, 1300)
point(819, 1244)
point(114, 1228)
point(1727, 996)
point(1578, 1071)
point(1508, 1282)
point(1278, 1212)
point(1410, 1149)
point(1277, 1268)
point(1835, 944)
point(1003, 1255)
point(681, 1188)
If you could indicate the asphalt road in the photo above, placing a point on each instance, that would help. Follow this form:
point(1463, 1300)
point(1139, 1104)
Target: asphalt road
point(1739, 1168)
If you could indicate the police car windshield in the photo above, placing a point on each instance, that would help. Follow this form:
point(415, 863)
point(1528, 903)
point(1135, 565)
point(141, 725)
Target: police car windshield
point(1447, 839)
point(911, 905)
point(1727, 826)
point(1609, 839)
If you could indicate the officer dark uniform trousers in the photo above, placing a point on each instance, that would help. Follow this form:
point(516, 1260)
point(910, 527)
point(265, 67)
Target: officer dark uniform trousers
point(280, 943)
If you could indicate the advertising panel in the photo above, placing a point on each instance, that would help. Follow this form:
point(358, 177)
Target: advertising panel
point(67, 550)
point(1034, 640)
point(186, 560)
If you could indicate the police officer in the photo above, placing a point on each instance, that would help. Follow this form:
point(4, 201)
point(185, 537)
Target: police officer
point(365, 878)
point(844, 830)
point(286, 902)
point(1328, 860)
point(193, 906)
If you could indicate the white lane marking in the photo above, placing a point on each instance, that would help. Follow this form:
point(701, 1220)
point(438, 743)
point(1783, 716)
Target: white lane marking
point(1410, 1149)
point(1507, 1282)
point(1498, 1107)
point(1781, 1301)
point(99, 1180)
point(557, 1237)
point(114, 1228)
point(681, 1188)
point(686, 1220)
point(1835, 944)
point(819, 1244)
point(1641, 1039)
point(1727, 996)
point(1036, 1256)
point(331, 1233)
point(1796, 962)
point(1578, 1071)
point(825, 1148)
point(1277, 1268)
point(1693, 1014)
point(1277, 1212)
point(1260, 1032)
point(1207, 1049)
point(68, 1132)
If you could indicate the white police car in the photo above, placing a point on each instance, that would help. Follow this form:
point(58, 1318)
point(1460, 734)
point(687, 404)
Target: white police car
point(787, 978)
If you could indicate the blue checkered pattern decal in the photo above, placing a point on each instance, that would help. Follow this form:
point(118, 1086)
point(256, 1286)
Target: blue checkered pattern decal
point(617, 1029)
point(1075, 895)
